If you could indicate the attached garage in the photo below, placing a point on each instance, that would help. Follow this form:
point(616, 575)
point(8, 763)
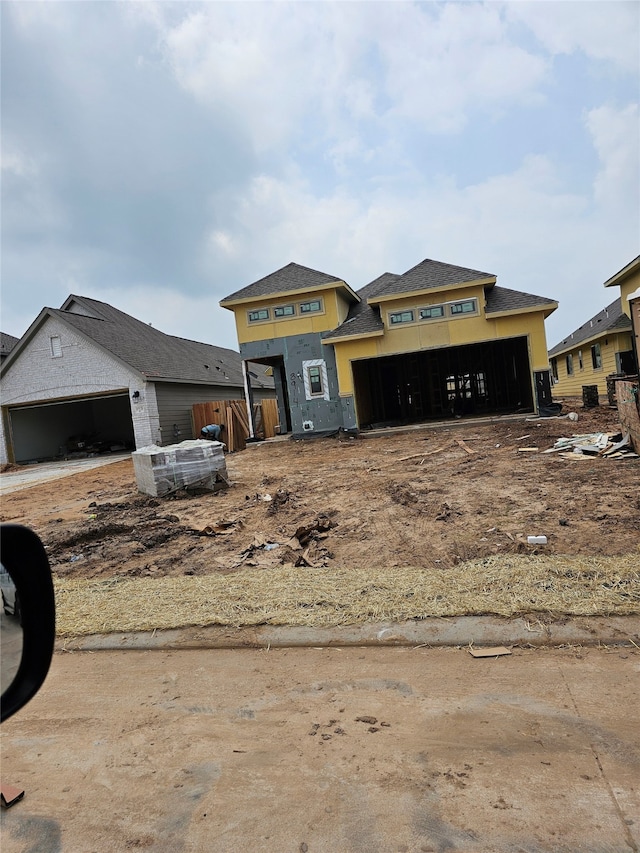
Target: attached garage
point(88, 378)
point(492, 377)
point(64, 428)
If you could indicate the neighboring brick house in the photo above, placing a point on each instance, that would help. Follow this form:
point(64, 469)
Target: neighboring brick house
point(439, 340)
point(90, 372)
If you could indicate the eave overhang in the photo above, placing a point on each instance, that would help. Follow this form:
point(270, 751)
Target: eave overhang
point(291, 294)
point(533, 309)
point(605, 333)
point(427, 291)
point(341, 339)
point(624, 273)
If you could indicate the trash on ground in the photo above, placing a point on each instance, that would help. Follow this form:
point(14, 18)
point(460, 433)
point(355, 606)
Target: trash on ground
point(536, 540)
point(223, 526)
point(612, 445)
point(490, 652)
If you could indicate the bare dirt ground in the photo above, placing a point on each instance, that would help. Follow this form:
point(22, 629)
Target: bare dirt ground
point(415, 498)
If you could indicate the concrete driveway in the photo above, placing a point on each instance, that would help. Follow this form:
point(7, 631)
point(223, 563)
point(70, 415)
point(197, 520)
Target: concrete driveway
point(354, 750)
point(25, 476)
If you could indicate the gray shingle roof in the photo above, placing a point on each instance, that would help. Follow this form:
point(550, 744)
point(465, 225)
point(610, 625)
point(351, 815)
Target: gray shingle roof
point(503, 299)
point(290, 278)
point(429, 274)
point(7, 343)
point(152, 352)
point(363, 318)
point(610, 319)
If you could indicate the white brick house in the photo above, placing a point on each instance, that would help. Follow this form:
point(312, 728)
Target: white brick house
point(89, 373)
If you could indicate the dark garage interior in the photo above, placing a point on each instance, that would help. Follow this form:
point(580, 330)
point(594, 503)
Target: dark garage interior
point(71, 429)
point(492, 377)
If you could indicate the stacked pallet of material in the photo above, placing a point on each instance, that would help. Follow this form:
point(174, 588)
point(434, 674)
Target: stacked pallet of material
point(609, 445)
point(198, 464)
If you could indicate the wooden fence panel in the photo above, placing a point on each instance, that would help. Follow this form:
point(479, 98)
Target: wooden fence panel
point(231, 415)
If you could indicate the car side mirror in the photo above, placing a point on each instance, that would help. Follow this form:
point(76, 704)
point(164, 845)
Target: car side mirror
point(27, 621)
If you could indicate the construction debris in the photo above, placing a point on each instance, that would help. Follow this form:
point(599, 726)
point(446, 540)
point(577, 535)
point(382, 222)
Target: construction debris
point(612, 445)
point(222, 527)
point(492, 652)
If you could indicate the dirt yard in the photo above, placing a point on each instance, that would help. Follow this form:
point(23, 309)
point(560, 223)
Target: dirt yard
point(416, 498)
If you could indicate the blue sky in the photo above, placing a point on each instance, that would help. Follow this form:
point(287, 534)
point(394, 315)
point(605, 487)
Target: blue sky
point(160, 156)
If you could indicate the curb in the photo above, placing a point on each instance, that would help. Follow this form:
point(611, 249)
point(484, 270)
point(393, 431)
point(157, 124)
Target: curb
point(431, 632)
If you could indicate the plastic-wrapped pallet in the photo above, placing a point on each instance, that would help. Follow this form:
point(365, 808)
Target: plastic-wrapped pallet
point(195, 464)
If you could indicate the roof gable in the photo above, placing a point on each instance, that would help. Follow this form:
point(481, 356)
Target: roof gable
point(610, 319)
point(154, 354)
point(429, 274)
point(290, 278)
point(363, 318)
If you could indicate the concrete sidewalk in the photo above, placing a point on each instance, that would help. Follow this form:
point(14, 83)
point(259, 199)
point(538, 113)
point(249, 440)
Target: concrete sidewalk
point(25, 476)
point(329, 750)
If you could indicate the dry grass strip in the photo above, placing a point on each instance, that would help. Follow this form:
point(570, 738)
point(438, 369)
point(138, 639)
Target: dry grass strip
point(507, 585)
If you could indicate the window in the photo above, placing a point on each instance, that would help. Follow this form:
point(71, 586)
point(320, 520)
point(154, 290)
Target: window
point(56, 346)
point(398, 317)
point(554, 368)
point(284, 311)
point(315, 380)
point(569, 361)
point(580, 364)
point(467, 306)
point(316, 384)
point(311, 307)
point(260, 314)
point(596, 357)
point(432, 312)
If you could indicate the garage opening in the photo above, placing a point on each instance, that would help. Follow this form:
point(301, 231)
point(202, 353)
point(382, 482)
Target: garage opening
point(71, 429)
point(486, 378)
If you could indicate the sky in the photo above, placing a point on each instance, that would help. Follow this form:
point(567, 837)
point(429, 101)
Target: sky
point(160, 156)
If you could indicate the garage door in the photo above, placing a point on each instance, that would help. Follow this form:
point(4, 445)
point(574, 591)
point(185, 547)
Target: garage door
point(71, 428)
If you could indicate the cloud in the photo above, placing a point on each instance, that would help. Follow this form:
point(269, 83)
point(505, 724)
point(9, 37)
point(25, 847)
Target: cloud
point(220, 141)
point(607, 31)
point(615, 136)
point(344, 63)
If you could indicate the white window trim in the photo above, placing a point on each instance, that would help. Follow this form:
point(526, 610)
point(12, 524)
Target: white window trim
point(56, 346)
point(315, 362)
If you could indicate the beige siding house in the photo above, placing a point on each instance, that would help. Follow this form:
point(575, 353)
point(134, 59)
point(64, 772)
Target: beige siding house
point(600, 347)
